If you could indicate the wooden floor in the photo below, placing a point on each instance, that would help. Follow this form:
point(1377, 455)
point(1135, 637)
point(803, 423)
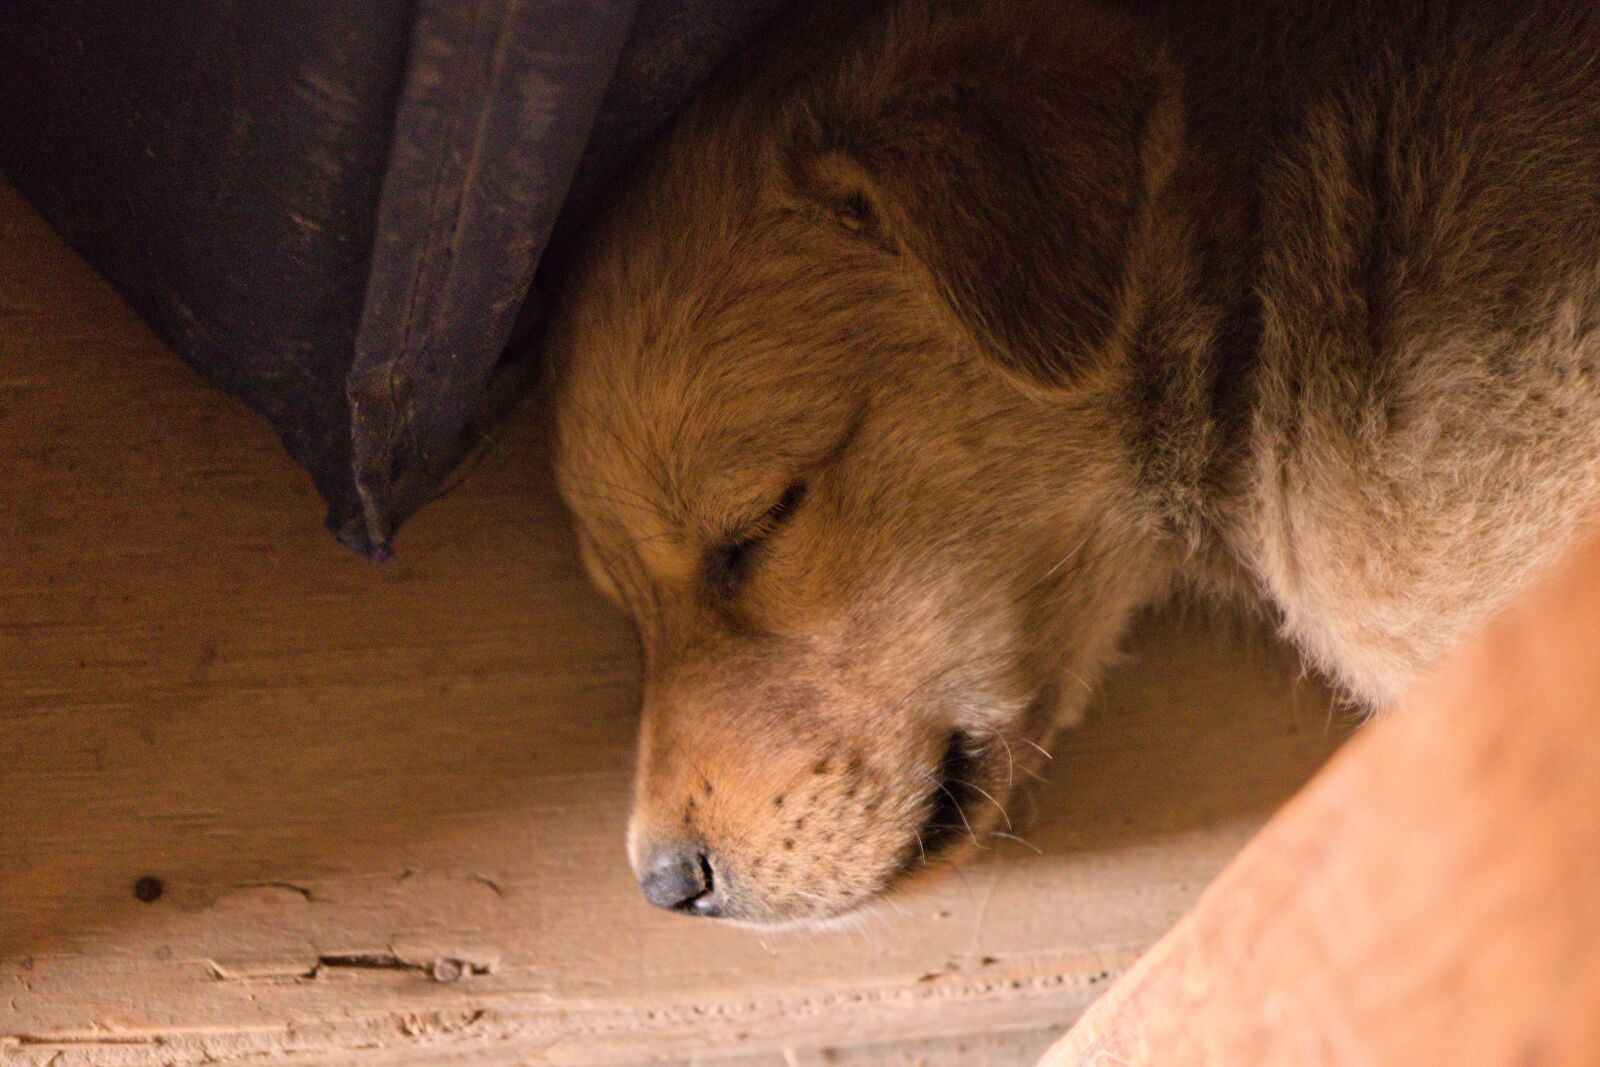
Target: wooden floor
point(383, 806)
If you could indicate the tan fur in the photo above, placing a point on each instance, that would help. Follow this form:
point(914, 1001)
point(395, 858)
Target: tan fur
point(1052, 310)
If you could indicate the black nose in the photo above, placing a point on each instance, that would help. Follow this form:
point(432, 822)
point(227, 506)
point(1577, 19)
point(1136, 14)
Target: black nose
point(679, 878)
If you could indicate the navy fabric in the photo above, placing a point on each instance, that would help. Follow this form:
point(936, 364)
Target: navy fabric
point(335, 210)
point(221, 165)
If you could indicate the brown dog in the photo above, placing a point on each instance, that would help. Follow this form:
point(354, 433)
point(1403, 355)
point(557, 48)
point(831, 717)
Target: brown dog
point(937, 339)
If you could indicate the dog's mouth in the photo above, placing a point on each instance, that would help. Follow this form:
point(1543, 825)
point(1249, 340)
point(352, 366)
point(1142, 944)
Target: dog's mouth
point(953, 819)
point(948, 822)
point(965, 798)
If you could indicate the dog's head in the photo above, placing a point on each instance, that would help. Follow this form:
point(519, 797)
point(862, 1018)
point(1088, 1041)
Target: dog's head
point(838, 414)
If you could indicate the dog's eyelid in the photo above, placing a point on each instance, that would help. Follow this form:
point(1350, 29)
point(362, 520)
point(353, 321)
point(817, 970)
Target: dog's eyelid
point(727, 561)
point(752, 532)
point(787, 503)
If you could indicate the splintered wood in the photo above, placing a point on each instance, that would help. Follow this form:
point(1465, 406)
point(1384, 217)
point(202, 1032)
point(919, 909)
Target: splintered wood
point(262, 799)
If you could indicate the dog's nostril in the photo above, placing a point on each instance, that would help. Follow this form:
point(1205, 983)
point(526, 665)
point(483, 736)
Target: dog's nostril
point(681, 879)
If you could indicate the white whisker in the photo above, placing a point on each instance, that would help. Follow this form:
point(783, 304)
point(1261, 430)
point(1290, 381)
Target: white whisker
point(1037, 747)
point(998, 806)
point(1037, 851)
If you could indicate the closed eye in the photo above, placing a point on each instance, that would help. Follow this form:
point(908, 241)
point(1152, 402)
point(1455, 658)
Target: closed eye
point(728, 564)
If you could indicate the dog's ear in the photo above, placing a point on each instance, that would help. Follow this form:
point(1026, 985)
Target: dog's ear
point(1011, 177)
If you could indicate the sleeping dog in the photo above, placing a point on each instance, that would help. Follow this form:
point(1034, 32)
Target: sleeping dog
point(936, 338)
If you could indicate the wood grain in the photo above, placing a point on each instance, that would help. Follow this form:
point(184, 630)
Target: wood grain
point(385, 804)
point(1432, 898)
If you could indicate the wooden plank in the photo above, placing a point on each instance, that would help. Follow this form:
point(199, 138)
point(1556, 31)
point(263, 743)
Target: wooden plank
point(1432, 898)
point(385, 804)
